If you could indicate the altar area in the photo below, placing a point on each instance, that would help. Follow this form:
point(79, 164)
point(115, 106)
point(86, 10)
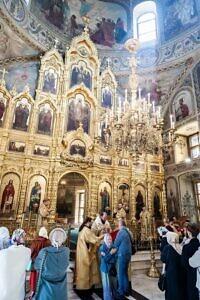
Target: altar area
point(80, 143)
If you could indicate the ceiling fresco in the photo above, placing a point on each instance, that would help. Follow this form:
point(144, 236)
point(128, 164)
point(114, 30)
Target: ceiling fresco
point(108, 21)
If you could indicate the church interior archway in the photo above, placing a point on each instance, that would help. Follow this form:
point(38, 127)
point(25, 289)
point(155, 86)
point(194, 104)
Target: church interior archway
point(71, 197)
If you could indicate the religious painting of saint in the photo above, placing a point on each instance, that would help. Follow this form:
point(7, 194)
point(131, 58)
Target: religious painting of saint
point(2, 110)
point(80, 74)
point(16, 146)
point(50, 81)
point(182, 106)
point(9, 191)
point(78, 114)
point(157, 206)
point(123, 162)
point(35, 193)
point(172, 198)
point(139, 204)
point(77, 147)
point(104, 196)
point(105, 133)
point(106, 160)
point(106, 97)
point(41, 150)
point(45, 119)
point(155, 168)
point(124, 194)
point(22, 115)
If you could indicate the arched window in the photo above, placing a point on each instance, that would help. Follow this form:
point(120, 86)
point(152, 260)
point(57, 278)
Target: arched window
point(144, 21)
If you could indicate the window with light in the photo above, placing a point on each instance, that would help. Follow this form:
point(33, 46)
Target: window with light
point(194, 146)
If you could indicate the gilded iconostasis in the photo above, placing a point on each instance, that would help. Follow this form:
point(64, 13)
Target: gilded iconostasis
point(62, 91)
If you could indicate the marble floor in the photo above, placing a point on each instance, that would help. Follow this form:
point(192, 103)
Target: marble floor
point(144, 288)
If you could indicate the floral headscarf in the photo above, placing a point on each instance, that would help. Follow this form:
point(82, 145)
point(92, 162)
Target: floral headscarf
point(108, 240)
point(57, 237)
point(18, 236)
point(4, 237)
point(173, 240)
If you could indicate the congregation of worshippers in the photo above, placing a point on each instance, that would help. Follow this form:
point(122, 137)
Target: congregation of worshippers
point(102, 260)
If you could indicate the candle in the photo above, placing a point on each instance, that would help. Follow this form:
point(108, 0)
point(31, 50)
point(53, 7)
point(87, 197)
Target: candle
point(171, 120)
point(126, 95)
point(139, 92)
point(159, 109)
point(173, 124)
point(153, 106)
point(106, 121)
point(99, 129)
point(148, 98)
point(120, 106)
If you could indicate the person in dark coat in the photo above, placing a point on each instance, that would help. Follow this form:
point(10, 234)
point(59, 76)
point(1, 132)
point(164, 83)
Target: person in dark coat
point(171, 256)
point(188, 251)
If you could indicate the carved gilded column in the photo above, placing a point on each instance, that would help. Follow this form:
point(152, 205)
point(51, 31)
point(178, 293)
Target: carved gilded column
point(52, 189)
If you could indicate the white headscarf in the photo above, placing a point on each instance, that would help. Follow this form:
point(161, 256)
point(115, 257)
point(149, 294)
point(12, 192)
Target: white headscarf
point(18, 236)
point(107, 237)
point(173, 240)
point(43, 233)
point(57, 237)
point(4, 237)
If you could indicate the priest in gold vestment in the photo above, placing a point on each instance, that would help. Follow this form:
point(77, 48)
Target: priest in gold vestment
point(87, 271)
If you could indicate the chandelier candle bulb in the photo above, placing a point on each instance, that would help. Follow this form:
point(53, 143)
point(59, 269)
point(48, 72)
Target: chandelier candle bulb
point(148, 98)
point(171, 121)
point(139, 91)
point(153, 103)
point(99, 129)
point(126, 95)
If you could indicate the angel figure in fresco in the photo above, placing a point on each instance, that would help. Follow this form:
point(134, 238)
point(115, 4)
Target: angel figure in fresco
point(8, 196)
point(2, 110)
point(35, 197)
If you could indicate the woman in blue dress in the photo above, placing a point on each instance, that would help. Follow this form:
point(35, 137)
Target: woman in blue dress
point(51, 265)
point(107, 267)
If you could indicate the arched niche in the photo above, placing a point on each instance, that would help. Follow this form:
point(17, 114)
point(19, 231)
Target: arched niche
point(104, 196)
point(157, 205)
point(9, 195)
point(35, 193)
point(71, 197)
point(140, 200)
point(124, 193)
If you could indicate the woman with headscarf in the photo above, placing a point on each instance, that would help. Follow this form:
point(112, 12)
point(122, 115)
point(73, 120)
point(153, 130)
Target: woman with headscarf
point(51, 265)
point(171, 256)
point(87, 270)
point(14, 262)
point(188, 250)
point(42, 241)
point(4, 238)
point(107, 267)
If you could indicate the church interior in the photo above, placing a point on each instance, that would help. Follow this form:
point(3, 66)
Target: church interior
point(99, 109)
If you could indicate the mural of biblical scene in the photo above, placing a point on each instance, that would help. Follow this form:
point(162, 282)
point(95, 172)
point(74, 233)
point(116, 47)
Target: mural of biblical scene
point(21, 75)
point(9, 194)
point(124, 195)
point(105, 160)
point(41, 150)
point(16, 9)
point(78, 114)
point(45, 119)
point(196, 79)
point(123, 162)
point(105, 197)
point(140, 201)
point(77, 147)
point(151, 87)
point(182, 105)
point(157, 205)
point(172, 198)
point(50, 81)
point(35, 193)
point(108, 21)
point(16, 146)
point(179, 15)
point(22, 115)
point(80, 74)
point(2, 109)
point(106, 97)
